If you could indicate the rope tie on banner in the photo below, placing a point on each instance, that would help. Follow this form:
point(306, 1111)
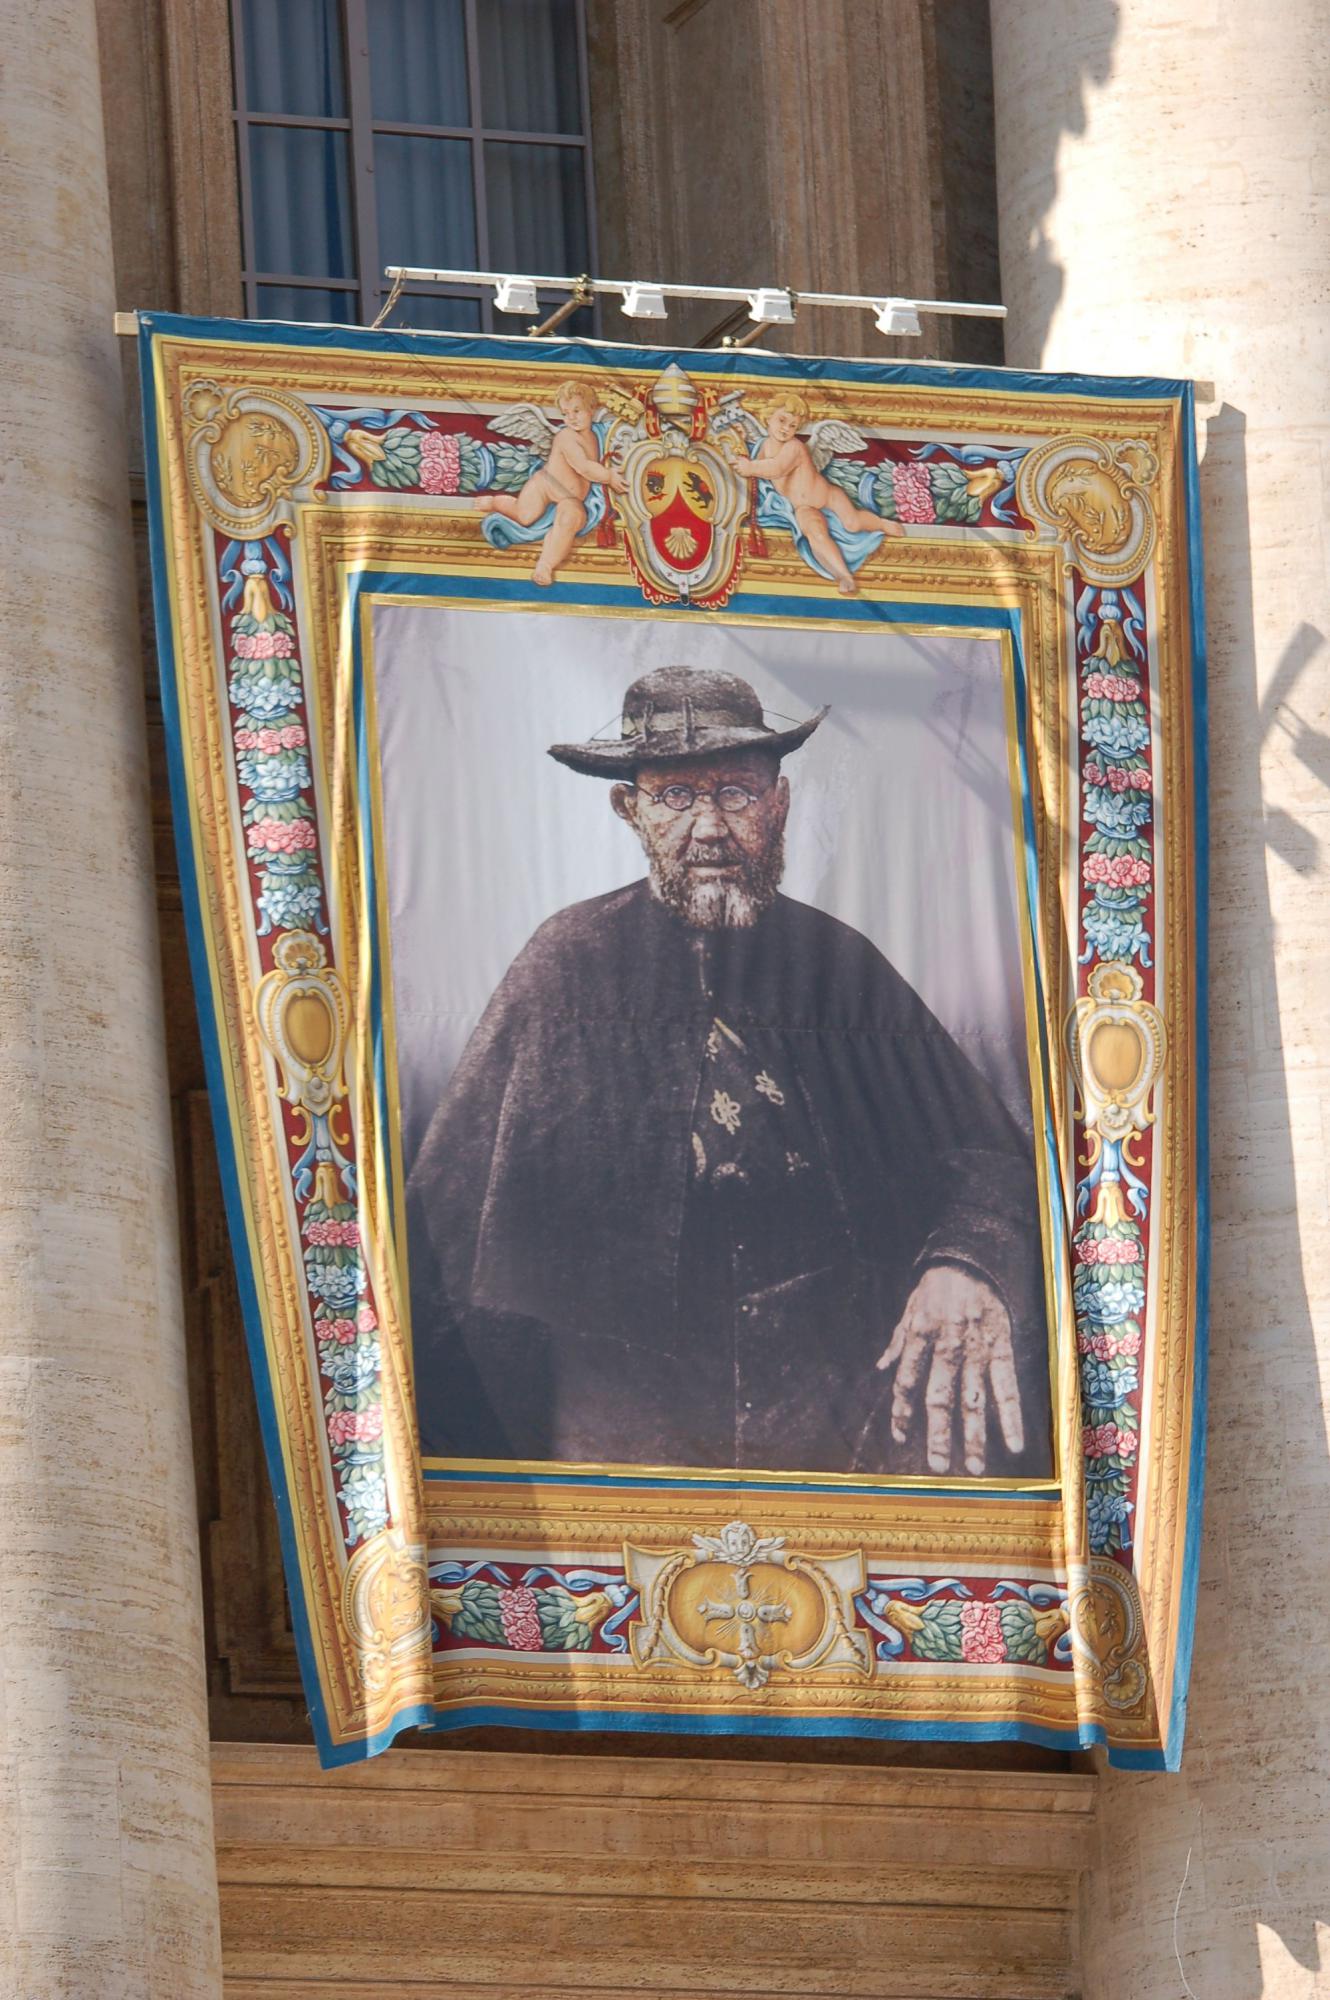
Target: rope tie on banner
point(388, 304)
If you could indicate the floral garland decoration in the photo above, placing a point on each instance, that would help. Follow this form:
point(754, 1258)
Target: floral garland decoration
point(1108, 1245)
point(272, 767)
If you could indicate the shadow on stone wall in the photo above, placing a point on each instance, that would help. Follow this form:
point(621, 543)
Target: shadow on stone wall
point(1253, 1720)
point(1076, 80)
point(1189, 1867)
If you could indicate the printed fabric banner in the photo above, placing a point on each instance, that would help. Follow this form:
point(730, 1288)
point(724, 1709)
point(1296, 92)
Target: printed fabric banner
point(696, 888)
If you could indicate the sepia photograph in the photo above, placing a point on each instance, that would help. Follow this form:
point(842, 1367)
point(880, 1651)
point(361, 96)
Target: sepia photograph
point(711, 1045)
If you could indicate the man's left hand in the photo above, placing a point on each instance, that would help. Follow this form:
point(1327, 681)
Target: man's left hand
point(959, 1323)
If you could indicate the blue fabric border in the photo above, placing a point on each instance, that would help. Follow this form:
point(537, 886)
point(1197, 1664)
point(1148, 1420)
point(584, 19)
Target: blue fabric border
point(635, 1722)
point(713, 363)
point(1175, 1730)
point(614, 354)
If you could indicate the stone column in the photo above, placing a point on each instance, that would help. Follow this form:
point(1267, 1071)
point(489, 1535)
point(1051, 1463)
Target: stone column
point(107, 1882)
point(1164, 192)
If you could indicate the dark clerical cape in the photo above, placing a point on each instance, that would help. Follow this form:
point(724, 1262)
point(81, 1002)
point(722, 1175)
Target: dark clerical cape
point(679, 1188)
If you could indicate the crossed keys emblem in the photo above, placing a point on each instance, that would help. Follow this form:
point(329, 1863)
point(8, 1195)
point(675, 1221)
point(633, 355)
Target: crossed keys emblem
point(749, 1666)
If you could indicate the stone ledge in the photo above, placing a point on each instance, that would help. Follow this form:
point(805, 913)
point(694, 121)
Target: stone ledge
point(502, 1873)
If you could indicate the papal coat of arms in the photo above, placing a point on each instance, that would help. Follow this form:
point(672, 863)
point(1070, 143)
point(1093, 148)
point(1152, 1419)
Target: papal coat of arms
point(685, 469)
point(682, 505)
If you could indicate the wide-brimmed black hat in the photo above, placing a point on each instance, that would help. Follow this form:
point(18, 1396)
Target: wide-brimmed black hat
point(683, 712)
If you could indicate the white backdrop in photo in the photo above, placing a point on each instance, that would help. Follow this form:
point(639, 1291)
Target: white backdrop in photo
point(900, 823)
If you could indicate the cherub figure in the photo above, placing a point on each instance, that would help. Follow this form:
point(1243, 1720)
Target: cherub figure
point(796, 470)
point(572, 466)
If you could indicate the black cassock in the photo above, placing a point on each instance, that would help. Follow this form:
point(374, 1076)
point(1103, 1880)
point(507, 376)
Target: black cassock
point(678, 1190)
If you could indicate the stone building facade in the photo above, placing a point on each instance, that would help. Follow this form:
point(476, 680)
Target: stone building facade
point(1145, 185)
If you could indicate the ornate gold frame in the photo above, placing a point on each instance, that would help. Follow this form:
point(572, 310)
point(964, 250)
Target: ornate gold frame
point(367, 1614)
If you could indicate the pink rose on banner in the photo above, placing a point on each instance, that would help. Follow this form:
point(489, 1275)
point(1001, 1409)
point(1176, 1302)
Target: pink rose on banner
point(367, 1320)
point(1112, 687)
point(343, 1331)
point(1126, 1443)
point(1108, 1250)
point(1108, 1346)
point(263, 646)
point(981, 1634)
point(1119, 1250)
point(520, 1619)
point(1100, 1440)
point(281, 836)
point(356, 1426)
point(333, 1235)
point(913, 493)
point(1116, 871)
point(440, 463)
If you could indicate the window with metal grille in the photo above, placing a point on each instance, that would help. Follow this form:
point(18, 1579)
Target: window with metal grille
point(446, 133)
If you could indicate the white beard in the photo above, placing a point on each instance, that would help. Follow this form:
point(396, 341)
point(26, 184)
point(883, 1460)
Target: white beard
point(714, 905)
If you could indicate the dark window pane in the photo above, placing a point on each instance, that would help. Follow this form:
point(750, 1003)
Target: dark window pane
point(536, 199)
point(308, 302)
point(433, 314)
point(417, 62)
point(293, 57)
point(424, 197)
point(528, 65)
point(301, 201)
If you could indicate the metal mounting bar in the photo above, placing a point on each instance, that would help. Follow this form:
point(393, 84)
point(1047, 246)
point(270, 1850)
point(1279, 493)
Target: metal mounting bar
point(620, 287)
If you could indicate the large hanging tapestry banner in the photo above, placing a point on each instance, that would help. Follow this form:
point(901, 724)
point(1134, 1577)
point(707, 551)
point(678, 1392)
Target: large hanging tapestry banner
point(696, 890)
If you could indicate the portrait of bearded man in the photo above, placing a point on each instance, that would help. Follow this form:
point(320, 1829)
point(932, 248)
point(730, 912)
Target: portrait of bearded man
point(711, 1186)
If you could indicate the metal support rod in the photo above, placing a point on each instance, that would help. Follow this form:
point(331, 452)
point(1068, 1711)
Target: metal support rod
point(715, 336)
point(582, 296)
point(746, 339)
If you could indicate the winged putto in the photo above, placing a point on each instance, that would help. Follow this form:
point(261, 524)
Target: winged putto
point(832, 531)
point(553, 502)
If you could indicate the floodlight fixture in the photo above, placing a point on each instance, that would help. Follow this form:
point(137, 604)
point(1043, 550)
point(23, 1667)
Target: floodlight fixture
point(771, 307)
point(515, 295)
point(644, 302)
point(763, 305)
point(898, 316)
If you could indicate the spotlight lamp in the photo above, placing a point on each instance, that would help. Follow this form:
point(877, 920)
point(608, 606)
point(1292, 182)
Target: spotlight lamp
point(644, 302)
point(515, 295)
point(897, 316)
point(771, 307)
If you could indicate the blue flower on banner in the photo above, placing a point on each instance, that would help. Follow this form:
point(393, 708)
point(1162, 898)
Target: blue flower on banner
point(356, 1369)
point(1117, 735)
point(263, 696)
point(272, 779)
point(364, 1495)
point(1106, 1512)
point(290, 906)
point(1107, 1301)
point(340, 1286)
point(1115, 930)
point(1122, 813)
point(1104, 1387)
